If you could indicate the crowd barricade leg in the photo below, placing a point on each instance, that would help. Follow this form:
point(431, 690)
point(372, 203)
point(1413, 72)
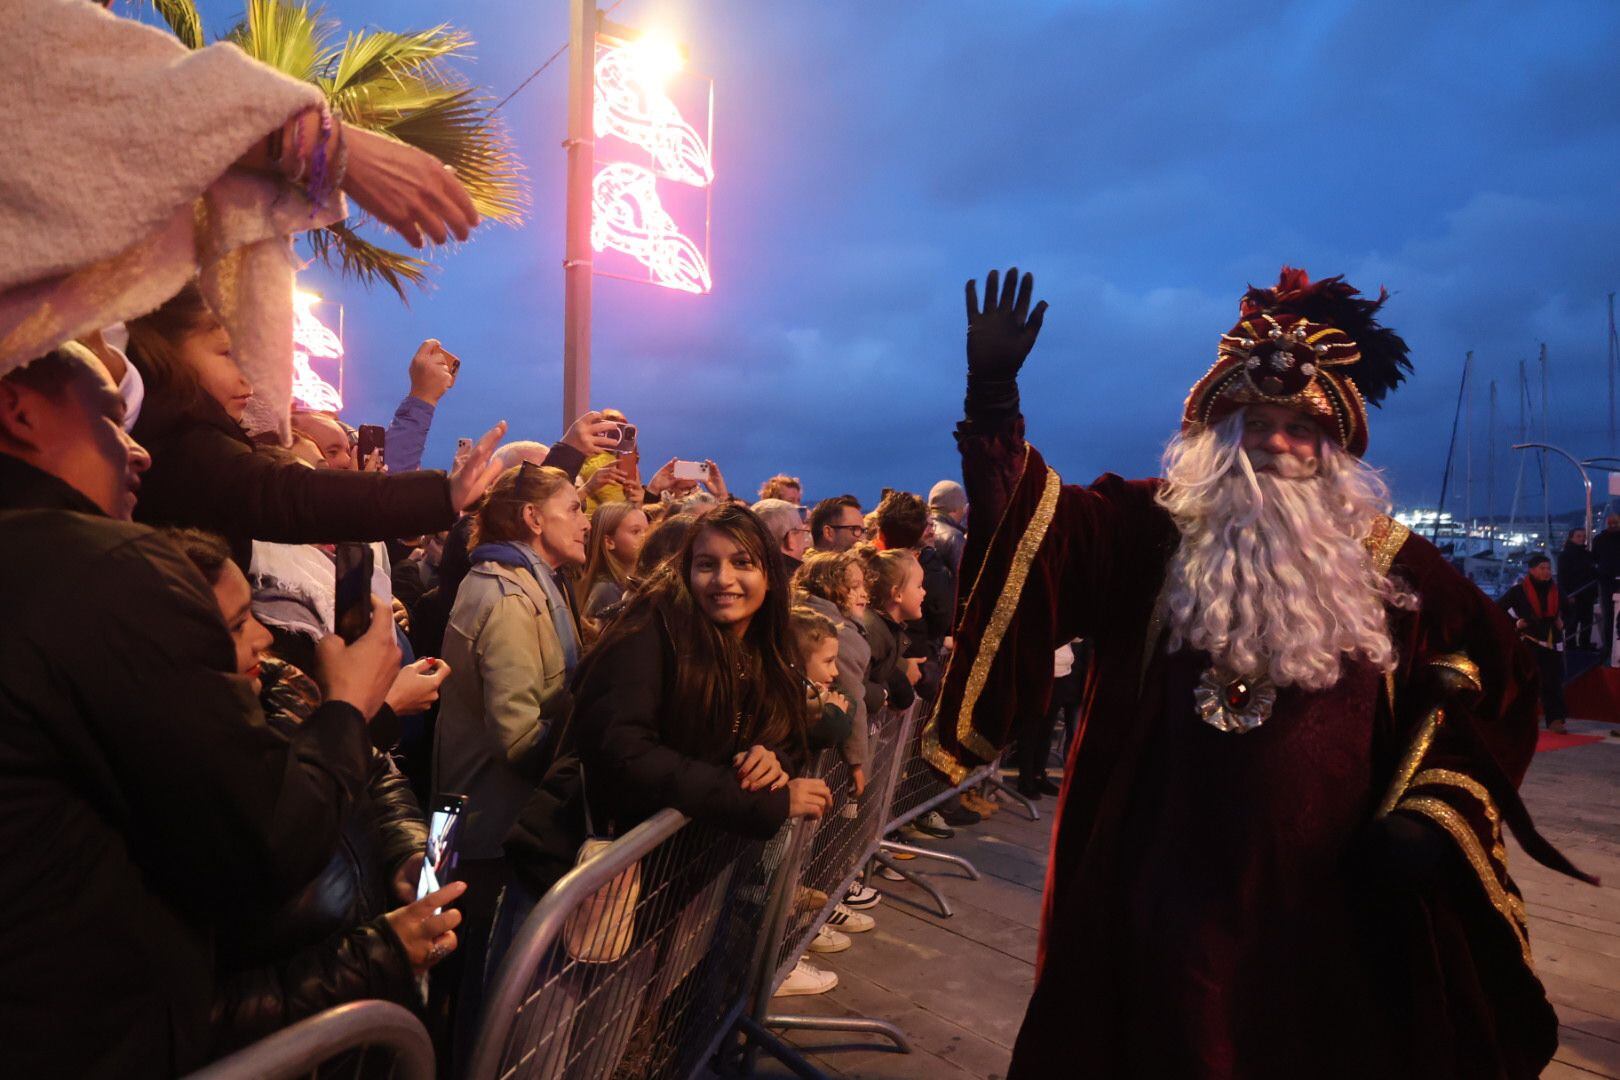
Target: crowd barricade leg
point(355, 1031)
point(997, 781)
point(829, 856)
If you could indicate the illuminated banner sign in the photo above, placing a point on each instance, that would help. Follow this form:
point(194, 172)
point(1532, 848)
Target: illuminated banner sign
point(314, 340)
point(650, 197)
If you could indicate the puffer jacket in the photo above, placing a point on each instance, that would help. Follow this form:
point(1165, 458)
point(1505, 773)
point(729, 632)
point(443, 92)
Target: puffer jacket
point(889, 644)
point(854, 661)
point(329, 944)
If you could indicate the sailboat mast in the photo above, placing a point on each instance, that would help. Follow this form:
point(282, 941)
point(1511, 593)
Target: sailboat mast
point(1614, 363)
point(1524, 412)
point(1546, 494)
point(1468, 452)
point(1490, 468)
point(1451, 448)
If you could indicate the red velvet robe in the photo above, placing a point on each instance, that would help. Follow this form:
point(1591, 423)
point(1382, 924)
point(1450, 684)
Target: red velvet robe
point(1203, 915)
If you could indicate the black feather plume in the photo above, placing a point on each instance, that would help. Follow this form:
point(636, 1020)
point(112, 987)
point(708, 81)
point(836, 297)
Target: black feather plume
point(1384, 359)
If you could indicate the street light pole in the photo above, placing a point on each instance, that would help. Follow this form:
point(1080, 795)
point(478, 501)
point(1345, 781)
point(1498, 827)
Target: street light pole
point(1586, 482)
point(581, 146)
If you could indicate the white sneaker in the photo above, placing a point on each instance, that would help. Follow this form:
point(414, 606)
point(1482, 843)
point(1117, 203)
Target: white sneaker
point(850, 922)
point(864, 896)
point(890, 874)
point(829, 941)
point(807, 979)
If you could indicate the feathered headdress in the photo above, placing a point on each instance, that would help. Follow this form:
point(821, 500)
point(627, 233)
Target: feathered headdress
point(1311, 346)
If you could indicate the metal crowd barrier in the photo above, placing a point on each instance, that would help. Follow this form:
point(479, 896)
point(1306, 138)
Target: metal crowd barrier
point(824, 860)
point(919, 788)
point(365, 1034)
point(661, 951)
point(634, 964)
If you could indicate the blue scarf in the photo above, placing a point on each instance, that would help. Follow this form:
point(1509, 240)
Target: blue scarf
point(523, 557)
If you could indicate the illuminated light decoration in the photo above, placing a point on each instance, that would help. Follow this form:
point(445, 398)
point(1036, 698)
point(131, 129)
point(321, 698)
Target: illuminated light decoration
point(313, 340)
point(627, 216)
point(632, 103)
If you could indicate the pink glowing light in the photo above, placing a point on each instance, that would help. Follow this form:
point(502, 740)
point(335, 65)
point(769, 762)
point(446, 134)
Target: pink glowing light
point(632, 102)
point(628, 215)
point(313, 340)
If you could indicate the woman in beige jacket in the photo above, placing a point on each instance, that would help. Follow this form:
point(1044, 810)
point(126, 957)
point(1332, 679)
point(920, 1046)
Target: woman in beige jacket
point(512, 641)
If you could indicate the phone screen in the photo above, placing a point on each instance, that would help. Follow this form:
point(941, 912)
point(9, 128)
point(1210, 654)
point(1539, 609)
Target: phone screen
point(353, 589)
point(439, 865)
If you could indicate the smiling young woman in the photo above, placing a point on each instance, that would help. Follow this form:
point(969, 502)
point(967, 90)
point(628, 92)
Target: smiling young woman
point(689, 699)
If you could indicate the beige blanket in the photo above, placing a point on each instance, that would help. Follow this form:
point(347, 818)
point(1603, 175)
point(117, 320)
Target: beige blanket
point(117, 186)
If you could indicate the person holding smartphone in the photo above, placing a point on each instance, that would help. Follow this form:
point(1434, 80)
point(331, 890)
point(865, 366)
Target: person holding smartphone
point(172, 803)
point(358, 930)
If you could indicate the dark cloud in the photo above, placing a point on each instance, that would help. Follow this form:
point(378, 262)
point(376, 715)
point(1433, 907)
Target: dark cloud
point(1146, 160)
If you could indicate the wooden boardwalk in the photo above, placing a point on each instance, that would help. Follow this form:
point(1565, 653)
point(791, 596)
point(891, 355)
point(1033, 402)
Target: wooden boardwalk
point(958, 986)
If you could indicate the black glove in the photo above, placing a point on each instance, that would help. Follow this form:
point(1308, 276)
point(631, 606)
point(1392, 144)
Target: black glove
point(999, 338)
point(1404, 852)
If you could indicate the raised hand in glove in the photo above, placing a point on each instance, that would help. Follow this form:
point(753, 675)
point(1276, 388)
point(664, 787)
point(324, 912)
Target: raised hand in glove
point(999, 338)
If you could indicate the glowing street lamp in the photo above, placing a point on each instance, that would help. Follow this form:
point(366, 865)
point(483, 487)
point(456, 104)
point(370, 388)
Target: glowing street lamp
point(639, 173)
point(314, 340)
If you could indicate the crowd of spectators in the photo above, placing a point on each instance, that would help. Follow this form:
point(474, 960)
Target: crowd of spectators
point(211, 799)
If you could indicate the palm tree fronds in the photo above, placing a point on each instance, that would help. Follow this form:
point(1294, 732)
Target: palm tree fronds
point(341, 247)
point(183, 20)
point(459, 131)
point(295, 39)
point(370, 56)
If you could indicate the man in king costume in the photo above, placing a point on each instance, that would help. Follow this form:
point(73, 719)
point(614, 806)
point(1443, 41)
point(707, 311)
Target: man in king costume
point(1279, 841)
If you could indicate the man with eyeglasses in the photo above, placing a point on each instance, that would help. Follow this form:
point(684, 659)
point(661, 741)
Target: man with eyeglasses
point(836, 524)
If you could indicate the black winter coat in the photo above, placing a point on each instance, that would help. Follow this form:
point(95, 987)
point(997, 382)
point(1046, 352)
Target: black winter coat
point(206, 473)
point(889, 645)
point(142, 795)
point(622, 704)
point(1577, 571)
point(1606, 551)
point(329, 944)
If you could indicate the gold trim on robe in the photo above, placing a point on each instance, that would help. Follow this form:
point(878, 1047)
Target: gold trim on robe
point(1507, 905)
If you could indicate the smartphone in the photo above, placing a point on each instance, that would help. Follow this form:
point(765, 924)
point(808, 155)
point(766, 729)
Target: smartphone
point(439, 864)
point(354, 565)
point(372, 437)
point(627, 440)
point(463, 447)
point(690, 470)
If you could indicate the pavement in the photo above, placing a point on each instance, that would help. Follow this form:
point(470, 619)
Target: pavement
point(957, 986)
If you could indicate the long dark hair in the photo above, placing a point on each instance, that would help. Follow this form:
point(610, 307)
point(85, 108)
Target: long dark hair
point(710, 697)
point(154, 345)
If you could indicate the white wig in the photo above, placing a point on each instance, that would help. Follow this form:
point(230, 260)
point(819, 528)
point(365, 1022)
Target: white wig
point(1272, 577)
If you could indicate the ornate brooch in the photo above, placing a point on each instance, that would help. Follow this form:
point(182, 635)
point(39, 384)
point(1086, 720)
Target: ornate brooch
point(1230, 702)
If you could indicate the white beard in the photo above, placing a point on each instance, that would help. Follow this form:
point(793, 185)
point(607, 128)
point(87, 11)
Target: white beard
point(1272, 578)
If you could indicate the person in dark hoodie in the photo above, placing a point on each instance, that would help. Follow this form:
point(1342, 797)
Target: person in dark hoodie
point(144, 798)
point(1536, 608)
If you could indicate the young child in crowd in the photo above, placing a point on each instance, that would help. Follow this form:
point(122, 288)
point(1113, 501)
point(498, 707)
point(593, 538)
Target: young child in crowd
point(815, 638)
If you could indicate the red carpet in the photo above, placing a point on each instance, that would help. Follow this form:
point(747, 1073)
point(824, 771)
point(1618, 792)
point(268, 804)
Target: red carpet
point(1551, 740)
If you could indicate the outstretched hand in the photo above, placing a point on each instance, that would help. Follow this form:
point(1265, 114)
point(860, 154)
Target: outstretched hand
point(1000, 335)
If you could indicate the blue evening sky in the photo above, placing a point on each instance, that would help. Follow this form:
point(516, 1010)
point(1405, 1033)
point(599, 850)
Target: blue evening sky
point(1144, 159)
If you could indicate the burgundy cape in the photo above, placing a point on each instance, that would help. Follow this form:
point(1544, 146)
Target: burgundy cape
point(1441, 985)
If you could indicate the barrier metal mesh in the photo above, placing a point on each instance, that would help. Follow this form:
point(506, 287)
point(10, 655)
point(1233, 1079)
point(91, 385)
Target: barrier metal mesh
point(636, 963)
point(842, 842)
